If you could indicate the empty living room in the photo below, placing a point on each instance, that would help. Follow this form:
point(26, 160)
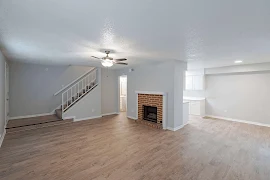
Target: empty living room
point(134, 90)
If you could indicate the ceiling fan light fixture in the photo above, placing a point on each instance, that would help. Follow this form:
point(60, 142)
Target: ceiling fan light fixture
point(107, 63)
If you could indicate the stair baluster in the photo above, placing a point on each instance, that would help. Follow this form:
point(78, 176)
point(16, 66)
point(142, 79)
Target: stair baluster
point(78, 90)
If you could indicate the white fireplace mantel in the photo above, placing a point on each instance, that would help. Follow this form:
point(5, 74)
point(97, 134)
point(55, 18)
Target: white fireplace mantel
point(151, 92)
point(164, 105)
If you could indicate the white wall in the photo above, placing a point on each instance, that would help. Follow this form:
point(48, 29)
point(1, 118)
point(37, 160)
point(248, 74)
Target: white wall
point(159, 77)
point(32, 86)
point(238, 92)
point(242, 96)
point(109, 91)
point(236, 69)
point(179, 74)
point(2, 94)
point(191, 93)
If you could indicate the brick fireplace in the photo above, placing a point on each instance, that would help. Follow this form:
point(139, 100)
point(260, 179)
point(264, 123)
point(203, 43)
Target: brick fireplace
point(150, 110)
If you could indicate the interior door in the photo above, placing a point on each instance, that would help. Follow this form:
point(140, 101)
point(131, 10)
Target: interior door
point(123, 94)
point(7, 92)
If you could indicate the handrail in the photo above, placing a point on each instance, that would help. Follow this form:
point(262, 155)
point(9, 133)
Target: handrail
point(79, 89)
point(67, 86)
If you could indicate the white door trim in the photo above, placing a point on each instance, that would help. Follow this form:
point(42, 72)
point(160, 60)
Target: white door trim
point(121, 96)
point(6, 97)
point(118, 94)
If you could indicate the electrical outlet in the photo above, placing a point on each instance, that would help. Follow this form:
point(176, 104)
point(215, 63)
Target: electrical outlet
point(225, 110)
point(93, 110)
point(132, 110)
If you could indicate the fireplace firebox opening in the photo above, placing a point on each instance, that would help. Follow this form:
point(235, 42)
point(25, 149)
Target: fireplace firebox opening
point(150, 113)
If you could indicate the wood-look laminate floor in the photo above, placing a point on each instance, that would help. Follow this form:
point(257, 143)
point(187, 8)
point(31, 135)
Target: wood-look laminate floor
point(117, 148)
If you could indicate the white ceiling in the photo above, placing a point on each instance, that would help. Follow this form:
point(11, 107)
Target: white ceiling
point(206, 33)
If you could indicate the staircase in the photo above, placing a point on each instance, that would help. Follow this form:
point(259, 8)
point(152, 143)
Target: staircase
point(71, 94)
point(77, 91)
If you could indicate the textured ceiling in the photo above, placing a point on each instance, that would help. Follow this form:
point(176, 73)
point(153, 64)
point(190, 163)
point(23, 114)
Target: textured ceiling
point(206, 33)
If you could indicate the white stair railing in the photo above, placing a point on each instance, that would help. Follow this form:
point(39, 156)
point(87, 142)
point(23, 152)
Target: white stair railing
point(78, 90)
point(70, 84)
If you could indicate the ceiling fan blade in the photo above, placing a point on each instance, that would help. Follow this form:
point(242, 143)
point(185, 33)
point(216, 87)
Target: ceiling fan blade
point(121, 63)
point(95, 57)
point(122, 59)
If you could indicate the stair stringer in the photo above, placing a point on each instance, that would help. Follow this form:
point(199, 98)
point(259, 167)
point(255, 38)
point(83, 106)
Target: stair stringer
point(88, 107)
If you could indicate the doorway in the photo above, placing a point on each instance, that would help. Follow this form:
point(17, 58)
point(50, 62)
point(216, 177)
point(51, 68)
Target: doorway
point(6, 93)
point(123, 93)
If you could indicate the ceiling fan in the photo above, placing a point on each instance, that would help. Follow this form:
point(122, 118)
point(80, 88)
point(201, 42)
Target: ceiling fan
point(108, 61)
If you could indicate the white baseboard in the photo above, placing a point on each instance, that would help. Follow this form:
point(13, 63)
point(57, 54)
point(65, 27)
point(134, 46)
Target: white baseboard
point(30, 116)
point(130, 117)
point(176, 128)
point(70, 117)
point(2, 137)
point(107, 114)
point(238, 120)
point(92, 117)
point(87, 118)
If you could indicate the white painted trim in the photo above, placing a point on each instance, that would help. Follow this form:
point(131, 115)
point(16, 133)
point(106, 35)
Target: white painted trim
point(71, 117)
point(164, 112)
point(130, 117)
point(87, 118)
point(7, 118)
point(92, 117)
point(107, 114)
point(136, 106)
point(151, 92)
point(78, 99)
point(118, 93)
point(194, 98)
point(119, 96)
point(30, 116)
point(2, 137)
point(74, 81)
point(238, 120)
point(176, 128)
